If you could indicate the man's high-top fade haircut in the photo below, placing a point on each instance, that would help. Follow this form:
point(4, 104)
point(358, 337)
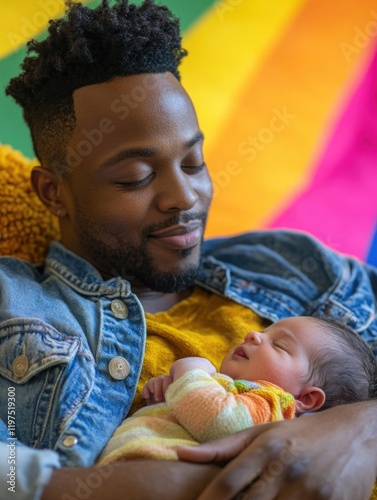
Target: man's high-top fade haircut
point(85, 47)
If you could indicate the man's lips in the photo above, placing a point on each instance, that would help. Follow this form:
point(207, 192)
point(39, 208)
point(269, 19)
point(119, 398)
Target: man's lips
point(180, 236)
point(240, 352)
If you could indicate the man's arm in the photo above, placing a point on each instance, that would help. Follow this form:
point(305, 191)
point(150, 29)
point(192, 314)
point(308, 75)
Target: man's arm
point(23, 471)
point(132, 479)
point(330, 454)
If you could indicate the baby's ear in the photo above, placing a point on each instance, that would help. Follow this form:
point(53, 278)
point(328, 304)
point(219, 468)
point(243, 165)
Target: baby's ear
point(310, 399)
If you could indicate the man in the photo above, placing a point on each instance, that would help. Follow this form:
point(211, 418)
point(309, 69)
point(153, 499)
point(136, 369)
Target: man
point(122, 167)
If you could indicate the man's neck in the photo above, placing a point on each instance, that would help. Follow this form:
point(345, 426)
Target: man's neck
point(154, 302)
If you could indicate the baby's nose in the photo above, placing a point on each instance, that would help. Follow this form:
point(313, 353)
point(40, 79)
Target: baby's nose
point(253, 337)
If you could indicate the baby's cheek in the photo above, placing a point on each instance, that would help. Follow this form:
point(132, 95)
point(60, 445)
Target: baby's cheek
point(285, 377)
point(229, 367)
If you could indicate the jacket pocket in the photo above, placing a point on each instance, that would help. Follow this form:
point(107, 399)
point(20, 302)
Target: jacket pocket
point(36, 365)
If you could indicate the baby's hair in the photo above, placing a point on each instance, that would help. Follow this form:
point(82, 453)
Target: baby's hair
point(86, 47)
point(345, 368)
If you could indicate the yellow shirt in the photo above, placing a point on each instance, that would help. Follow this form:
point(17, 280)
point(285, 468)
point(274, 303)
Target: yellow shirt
point(204, 324)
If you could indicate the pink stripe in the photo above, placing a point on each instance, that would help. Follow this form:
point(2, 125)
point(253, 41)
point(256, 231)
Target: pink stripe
point(340, 205)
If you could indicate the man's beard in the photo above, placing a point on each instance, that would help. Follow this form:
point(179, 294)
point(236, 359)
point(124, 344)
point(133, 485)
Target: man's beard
point(134, 263)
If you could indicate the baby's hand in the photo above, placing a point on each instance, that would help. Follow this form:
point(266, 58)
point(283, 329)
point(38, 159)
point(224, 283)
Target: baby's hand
point(154, 390)
point(181, 366)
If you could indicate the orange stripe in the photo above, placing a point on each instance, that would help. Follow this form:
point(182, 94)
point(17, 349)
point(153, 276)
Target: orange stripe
point(265, 148)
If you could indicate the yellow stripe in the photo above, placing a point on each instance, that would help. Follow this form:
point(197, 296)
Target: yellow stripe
point(21, 20)
point(226, 46)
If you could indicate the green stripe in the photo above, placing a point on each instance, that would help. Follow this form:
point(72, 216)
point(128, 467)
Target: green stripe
point(13, 129)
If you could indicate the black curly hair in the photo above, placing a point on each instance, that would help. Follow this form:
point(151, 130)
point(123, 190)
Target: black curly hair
point(85, 47)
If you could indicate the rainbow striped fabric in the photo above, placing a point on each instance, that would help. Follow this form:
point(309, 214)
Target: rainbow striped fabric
point(286, 96)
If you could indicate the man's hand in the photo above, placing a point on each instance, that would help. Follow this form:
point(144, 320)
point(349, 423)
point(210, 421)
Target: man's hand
point(330, 454)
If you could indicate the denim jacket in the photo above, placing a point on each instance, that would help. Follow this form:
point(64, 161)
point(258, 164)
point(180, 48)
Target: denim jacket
point(63, 331)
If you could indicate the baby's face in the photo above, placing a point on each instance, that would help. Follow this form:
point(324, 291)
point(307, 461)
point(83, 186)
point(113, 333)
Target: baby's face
point(279, 354)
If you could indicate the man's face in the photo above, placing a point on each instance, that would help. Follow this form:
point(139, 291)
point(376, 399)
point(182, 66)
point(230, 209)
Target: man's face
point(138, 192)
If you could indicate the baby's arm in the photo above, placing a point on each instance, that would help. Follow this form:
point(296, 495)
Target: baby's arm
point(184, 365)
point(213, 406)
point(154, 390)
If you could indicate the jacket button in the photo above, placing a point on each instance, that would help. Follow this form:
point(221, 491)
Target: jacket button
point(119, 368)
point(70, 441)
point(20, 365)
point(119, 309)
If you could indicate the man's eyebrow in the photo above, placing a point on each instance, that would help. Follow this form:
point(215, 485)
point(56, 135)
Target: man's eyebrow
point(144, 152)
point(128, 153)
point(197, 138)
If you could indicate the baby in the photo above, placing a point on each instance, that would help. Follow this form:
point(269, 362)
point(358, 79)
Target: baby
point(296, 365)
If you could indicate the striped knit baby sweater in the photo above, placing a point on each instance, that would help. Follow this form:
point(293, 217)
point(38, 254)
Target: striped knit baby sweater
point(198, 408)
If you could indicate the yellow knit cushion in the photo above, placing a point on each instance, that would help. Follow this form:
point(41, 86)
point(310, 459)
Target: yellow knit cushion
point(374, 492)
point(27, 227)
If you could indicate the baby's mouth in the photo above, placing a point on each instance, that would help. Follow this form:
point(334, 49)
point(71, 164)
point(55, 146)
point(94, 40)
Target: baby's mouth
point(240, 351)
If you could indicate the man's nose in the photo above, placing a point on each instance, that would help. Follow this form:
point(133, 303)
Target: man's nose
point(254, 338)
point(177, 192)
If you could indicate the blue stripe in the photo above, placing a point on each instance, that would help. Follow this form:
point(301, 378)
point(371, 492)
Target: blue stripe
point(372, 256)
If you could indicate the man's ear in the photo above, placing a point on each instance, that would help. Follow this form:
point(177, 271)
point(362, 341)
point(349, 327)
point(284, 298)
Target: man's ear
point(310, 399)
point(46, 184)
